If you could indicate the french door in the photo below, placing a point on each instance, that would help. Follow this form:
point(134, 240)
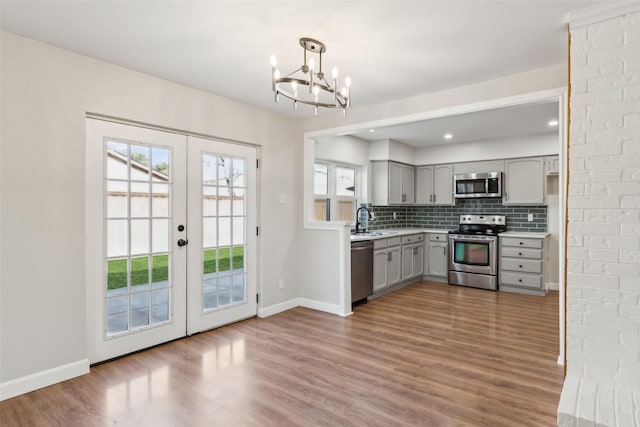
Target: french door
point(169, 251)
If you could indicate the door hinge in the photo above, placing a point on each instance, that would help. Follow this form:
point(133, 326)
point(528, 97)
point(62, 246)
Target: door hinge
point(257, 163)
point(257, 231)
point(257, 298)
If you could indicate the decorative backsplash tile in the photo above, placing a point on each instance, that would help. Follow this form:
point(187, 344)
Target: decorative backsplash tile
point(449, 216)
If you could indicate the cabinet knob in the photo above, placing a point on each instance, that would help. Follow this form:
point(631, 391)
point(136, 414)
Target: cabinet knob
point(520, 266)
point(520, 280)
point(520, 253)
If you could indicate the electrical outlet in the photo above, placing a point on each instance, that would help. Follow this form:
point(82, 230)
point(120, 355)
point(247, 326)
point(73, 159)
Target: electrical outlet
point(530, 217)
point(281, 284)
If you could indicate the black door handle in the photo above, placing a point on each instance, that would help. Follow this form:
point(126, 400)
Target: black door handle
point(182, 242)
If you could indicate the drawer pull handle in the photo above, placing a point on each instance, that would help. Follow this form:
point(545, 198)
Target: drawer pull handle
point(521, 243)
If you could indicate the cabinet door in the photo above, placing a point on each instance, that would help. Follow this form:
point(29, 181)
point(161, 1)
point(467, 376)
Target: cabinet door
point(395, 184)
point(424, 185)
point(443, 185)
point(407, 262)
point(408, 184)
point(379, 270)
point(524, 181)
point(418, 260)
point(438, 259)
point(393, 266)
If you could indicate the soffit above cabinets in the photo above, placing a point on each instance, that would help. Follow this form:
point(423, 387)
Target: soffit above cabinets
point(486, 125)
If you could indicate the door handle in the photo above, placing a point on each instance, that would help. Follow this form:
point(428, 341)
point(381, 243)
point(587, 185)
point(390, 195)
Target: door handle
point(182, 242)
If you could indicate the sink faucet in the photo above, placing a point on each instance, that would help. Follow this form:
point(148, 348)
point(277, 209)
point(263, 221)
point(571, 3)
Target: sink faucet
point(358, 223)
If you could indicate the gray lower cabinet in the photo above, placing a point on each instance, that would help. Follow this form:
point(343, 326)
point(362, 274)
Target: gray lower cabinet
point(522, 265)
point(438, 259)
point(386, 263)
point(412, 256)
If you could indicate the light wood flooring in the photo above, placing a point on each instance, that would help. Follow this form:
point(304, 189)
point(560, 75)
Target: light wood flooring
point(426, 355)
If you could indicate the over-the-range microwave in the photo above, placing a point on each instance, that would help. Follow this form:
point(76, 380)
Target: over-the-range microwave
point(470, 185)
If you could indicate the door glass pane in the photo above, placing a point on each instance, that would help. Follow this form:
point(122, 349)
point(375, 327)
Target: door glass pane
point(138, 285)
point(224, 223)
point(117, 199)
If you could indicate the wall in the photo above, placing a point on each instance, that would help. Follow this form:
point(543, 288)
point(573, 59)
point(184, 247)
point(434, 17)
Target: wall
point(603, 287)
point(46, 93)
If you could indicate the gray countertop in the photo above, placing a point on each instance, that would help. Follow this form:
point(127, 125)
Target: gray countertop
point(393, 232)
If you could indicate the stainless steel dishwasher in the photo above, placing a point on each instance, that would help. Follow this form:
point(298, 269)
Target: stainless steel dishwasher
point(361, 270)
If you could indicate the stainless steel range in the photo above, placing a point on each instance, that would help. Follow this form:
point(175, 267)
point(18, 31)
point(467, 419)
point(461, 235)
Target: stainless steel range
point(473, 251)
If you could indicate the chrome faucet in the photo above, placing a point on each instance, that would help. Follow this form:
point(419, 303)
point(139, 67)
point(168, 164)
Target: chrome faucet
point(358, 223)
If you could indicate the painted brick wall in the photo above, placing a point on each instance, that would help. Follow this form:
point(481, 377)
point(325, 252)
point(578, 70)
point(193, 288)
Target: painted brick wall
point(603, 285)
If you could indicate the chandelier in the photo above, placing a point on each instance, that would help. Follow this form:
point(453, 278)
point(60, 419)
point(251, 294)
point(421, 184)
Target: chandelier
point(308, 86)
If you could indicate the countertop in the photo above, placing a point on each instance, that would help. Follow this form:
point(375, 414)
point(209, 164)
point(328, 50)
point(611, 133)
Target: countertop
point(393, 232)
point(524, 234)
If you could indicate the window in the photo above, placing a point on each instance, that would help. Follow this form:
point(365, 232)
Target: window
point(335, 191)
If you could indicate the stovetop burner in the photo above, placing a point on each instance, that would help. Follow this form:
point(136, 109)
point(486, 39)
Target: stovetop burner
point(481, 224)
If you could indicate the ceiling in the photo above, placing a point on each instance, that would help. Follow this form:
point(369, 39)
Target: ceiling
point(390, 49)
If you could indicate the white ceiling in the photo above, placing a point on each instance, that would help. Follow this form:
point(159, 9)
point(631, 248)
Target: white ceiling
point(390, 49)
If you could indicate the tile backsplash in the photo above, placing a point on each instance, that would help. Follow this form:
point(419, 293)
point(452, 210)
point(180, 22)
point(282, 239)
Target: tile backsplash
point(448, 216)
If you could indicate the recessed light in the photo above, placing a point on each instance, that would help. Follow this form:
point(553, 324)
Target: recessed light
point(448, 136)
point(372, 130)
point(553, 123)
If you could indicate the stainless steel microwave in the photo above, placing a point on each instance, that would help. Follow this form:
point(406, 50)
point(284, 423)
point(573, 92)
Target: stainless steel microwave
point(478, 185)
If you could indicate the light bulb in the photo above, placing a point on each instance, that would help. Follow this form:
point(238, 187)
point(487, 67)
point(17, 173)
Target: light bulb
point(274, 61)
point(344, 92)
point(312, 64)
point(294, 87)
point(276, 74)
point(347, 81)
point(334, 73)
point(316, 90)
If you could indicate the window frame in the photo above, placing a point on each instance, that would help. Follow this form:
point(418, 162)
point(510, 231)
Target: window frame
point(333, 198)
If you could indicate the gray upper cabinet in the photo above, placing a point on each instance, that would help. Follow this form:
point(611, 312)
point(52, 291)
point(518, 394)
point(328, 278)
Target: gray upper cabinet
point(524, 181)
point(434, 185)
point(392, 183)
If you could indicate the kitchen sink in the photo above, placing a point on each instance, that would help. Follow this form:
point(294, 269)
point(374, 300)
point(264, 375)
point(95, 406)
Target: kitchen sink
point(374, 233)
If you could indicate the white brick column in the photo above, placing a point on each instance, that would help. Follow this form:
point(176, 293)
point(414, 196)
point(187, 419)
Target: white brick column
point(602, 387)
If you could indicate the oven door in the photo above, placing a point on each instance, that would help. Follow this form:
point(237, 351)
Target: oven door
point(473, 254)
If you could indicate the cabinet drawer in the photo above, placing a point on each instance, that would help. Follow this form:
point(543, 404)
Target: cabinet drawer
point(393, 241)
point(526, 280)
point(438, 237)
point(521, 243)
point(521, 252)
point(524, 265)
point(379, 244)
point(414, 238)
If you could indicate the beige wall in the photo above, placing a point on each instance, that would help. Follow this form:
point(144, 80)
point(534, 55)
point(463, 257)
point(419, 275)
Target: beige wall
point(46, 93)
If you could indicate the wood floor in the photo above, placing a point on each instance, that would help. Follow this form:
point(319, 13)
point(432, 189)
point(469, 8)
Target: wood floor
point(426, 355)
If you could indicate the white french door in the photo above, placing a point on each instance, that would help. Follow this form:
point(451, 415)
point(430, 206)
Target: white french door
point(154, 274)
point(222, 247)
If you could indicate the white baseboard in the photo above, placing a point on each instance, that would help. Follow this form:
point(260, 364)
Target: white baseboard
point(301, 302)
point(42, 379)
point(322, 306)
point(553, 286)
point(278, 308)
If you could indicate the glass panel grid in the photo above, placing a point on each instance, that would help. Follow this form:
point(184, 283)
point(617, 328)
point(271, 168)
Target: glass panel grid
point(224, 229)
point(137, 225)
